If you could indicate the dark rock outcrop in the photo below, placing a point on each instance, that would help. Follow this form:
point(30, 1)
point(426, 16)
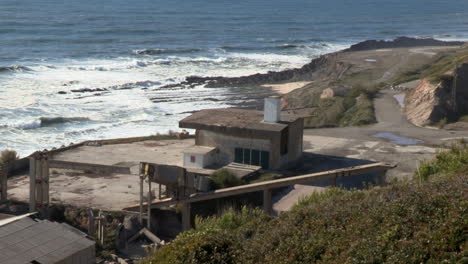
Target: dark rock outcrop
point(324, 66)
point(306, 72)
point(401, 42)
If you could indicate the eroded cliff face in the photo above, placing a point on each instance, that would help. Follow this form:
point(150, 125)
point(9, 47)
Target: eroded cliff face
point(429, 103)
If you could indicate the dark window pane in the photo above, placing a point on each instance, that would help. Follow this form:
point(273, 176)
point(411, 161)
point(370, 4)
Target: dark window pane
point(265, 159)
point(238, 156)
point(255, 157)
point(247, 155)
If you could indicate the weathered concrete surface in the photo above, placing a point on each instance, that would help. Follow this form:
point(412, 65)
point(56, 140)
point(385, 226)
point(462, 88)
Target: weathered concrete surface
point(103, 191)
point(286, 200)
point(362, 143)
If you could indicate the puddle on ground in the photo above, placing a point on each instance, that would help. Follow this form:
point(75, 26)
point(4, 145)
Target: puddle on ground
point(400, 99)
point(398, 139)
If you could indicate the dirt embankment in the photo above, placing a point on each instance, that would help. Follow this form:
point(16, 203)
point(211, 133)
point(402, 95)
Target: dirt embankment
point(432, 103)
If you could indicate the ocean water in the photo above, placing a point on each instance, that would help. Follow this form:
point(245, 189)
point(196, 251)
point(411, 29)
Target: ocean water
point(124, 51)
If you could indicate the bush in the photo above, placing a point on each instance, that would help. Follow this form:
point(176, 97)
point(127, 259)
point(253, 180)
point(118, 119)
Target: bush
point(401, 223)
point(7, 156)
point(447, 161)
point(223, 178)
point(316, 197)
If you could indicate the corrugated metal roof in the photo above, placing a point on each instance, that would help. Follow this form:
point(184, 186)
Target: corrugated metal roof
point(26, 239)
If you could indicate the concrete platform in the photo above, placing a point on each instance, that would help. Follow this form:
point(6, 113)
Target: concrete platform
point(103, 191)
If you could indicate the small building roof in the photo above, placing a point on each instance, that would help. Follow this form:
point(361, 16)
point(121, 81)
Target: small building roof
point(26, 240)
point(231, 119)
point(199, 149)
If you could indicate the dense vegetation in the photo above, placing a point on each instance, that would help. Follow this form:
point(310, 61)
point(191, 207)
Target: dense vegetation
point(356, 108)
point(223, 178)
point(412, 222)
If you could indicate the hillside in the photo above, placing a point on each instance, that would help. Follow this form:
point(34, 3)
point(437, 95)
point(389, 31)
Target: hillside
point(442, 93)
point(412, 222)
point(358, 72)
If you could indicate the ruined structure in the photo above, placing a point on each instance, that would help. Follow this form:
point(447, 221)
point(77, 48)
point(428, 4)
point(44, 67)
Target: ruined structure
point(27, 240)
point(270, 139)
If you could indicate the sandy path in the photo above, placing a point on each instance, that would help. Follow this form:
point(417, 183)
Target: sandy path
point(285, 88)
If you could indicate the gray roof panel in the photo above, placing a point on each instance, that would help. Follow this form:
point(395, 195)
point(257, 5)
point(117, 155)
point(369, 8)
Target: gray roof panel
point(25, 240)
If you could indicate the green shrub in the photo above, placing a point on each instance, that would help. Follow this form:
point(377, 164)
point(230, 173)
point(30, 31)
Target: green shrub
point(223, 178)
point(7, 156)
point(463, 118)
point(361, 113)
point(401, 223)
point(446, 161)
point(316, 197)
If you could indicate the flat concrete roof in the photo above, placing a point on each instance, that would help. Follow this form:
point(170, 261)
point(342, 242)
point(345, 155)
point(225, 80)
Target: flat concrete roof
point(233, 119)
point(199, 149)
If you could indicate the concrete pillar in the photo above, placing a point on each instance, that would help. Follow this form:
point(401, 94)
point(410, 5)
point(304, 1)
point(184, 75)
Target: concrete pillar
point(38, 183)
point(267, 204)
point(148, 220)
point(91, 225)
point(32, 184)
point(45, 183)
point(142, 178)
point(186, 216)
point(3, 183)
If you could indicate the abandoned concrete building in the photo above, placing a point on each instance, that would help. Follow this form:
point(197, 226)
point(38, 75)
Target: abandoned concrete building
point(27, 240)
point(270, 139)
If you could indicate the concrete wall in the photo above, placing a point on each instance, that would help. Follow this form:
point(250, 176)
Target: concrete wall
point(226, 144)
point(295, 144)
point(201, 160)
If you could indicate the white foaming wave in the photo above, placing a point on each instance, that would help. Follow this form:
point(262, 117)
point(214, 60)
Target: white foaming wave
point(26, 124)
point(127, 112)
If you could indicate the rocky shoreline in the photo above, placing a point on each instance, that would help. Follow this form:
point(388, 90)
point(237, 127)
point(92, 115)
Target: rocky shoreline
point(306, 72)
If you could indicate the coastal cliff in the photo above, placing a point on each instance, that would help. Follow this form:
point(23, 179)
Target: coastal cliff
point(439, 102)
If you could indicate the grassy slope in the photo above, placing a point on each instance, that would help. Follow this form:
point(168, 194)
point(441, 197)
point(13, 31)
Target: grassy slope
point(403, 223)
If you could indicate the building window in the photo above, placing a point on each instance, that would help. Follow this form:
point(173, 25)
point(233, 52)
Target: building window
point(192, 159)
point(252, 157)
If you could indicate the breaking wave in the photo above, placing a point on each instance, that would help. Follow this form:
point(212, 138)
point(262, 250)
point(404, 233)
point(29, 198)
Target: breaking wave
point(46, 122)
point(165, 51)
point(14, 68)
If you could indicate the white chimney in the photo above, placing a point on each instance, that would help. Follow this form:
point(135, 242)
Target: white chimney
point(272, 109)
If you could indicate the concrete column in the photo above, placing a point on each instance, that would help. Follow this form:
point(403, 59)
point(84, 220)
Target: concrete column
point(148, 220)
point(267, 204)
point(186, 216)
point(141, 199)
point(45, 182)
point(32, 184)
point(39, 200)
point(91, 226)
point(3, 183)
